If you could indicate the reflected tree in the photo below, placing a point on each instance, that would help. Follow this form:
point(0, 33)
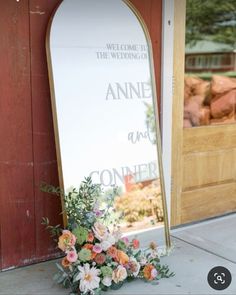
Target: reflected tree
point(213, 20)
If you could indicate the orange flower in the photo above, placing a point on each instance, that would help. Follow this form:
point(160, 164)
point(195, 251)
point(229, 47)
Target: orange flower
point(90, 247)
point(65, 262)
point(122, 257)
point(90, 237)
point(147, 272)
point(135, 243)
point(112, 251)
point(66, 240)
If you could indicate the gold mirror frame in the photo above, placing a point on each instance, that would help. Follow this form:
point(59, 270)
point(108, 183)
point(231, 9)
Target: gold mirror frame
point(158, 136)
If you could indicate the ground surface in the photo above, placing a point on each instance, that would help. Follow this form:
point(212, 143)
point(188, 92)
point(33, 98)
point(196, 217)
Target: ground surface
point(198, 248)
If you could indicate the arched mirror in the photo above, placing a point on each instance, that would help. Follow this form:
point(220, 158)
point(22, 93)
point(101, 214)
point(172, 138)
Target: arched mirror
point(105, 110)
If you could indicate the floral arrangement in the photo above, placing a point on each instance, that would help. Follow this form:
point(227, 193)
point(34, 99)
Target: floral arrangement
point(97, 257)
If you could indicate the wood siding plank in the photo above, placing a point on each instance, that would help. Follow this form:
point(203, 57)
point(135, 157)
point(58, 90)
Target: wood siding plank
point(45, 164)
point(16, 155)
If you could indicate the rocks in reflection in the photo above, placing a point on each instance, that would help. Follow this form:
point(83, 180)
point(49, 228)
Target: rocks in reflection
point(209, 102)
point(141, 205)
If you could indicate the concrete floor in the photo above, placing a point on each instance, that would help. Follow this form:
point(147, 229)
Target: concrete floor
point(198, 248)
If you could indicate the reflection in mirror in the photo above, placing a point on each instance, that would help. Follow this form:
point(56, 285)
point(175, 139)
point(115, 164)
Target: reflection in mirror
point(210, 63)
point(106, 111)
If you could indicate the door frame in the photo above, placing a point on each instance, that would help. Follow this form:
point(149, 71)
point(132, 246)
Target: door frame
point(167, 94)
point(178, 108)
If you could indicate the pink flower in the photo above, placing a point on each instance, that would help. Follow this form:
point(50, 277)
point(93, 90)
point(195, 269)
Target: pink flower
point(97, 248)
point(125, 240)
point(98, 213)
point(72, 256)
point(154, 273)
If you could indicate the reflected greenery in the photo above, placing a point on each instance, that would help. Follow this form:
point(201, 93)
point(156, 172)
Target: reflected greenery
point(213, 20)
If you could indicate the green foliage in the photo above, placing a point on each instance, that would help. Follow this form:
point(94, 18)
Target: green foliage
point(164, 271)
point(140, 202)
point(208, 75)
point(64, 278)
point(107, 199)
point(78, 204)
point(116, 286)
point(151, 121)
point(54, 230)
point(121, 245)
point(213, 20)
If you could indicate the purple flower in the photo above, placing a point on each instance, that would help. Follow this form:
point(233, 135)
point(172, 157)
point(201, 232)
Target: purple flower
point(125, 240)
point(97, 248)
point(98, 213)
point(154, 273)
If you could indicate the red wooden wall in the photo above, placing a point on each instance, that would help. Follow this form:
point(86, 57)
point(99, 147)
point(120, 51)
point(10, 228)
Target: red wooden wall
point(27, 149)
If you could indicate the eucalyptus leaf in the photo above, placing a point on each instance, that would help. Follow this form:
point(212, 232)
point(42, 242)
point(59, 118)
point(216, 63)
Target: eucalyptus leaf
point(56, 276)
point(60, 267)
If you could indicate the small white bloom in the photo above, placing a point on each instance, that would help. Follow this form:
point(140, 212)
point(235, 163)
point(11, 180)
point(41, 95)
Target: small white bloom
point(107, 281)
point(154, 254)
point(105, 245)
point(111, 239)
point(143, 261)
point(117, 235)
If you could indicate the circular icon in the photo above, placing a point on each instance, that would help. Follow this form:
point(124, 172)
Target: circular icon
point(219, 278)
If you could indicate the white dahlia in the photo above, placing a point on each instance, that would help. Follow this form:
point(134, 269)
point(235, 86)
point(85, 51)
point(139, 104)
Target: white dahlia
point(88, 277)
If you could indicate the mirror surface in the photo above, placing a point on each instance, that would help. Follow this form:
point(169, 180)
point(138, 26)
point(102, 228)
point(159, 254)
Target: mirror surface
point(105, 109)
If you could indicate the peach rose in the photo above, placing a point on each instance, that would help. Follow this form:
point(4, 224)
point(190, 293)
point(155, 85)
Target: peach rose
point(112, 251)
point(65, 262)
point(122, 257)
point(119, 274)
point(100, 231)
point(66, 240)
point(148, 271)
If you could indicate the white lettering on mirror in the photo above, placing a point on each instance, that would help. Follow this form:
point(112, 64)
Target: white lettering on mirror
point(129, 90)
